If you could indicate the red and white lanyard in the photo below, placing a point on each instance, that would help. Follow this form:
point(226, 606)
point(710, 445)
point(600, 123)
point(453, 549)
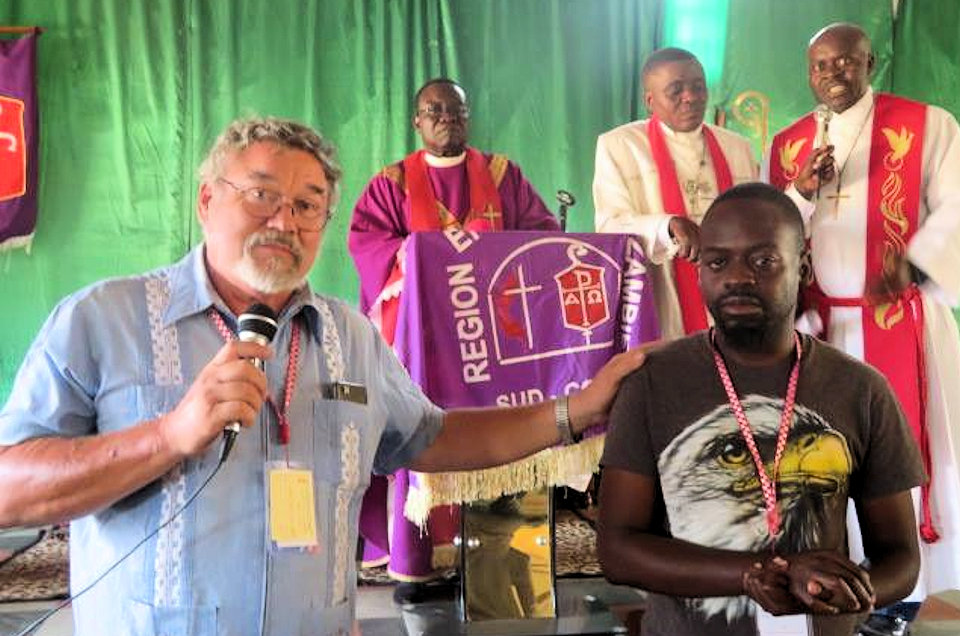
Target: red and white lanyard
point(293, 356)
point(767, 483)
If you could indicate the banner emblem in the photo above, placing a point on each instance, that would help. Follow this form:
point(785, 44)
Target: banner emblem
point(583, 297)
point(13, 151)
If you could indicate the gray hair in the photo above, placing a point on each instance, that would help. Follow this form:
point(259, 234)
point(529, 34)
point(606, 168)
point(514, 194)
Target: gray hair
point(287, 133)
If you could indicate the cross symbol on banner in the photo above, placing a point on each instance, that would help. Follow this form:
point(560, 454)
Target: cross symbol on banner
point(522, 290)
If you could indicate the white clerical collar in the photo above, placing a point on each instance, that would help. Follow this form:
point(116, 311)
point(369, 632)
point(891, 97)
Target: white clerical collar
point(444, 162)
point(690, 138)
point(857, 112)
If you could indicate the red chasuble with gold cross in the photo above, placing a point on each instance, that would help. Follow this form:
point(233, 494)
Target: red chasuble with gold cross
point(892, 331)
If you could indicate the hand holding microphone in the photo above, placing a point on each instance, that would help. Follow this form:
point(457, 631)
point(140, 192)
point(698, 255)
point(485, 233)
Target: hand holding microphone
point(257, 324)
point(822, 115)
point(819, 167)
point(227, 393)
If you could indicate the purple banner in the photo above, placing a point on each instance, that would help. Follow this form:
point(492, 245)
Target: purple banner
point(19, 135)
point(508, 318)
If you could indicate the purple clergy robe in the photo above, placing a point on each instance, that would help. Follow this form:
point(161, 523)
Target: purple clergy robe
point(381, 218)
point(380, 223)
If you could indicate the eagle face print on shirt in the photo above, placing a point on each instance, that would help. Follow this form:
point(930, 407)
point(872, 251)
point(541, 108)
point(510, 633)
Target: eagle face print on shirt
point(713, 495)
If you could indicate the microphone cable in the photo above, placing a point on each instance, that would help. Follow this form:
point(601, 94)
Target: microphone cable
point(42, 619)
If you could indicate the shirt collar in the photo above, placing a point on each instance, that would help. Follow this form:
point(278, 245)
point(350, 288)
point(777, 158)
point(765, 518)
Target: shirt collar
point(444, 162)
point(691, 137)
point(192, 292)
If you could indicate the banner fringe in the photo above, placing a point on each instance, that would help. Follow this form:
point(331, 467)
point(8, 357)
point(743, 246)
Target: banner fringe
point(547, 468)
point(15, 242)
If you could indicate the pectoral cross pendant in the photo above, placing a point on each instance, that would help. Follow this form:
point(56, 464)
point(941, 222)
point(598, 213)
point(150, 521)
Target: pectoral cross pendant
point(491, 215)
point(836, 201)
point(694, 191)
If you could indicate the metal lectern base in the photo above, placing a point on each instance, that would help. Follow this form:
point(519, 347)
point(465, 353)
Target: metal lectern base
point(506, 558)
point(583, 607)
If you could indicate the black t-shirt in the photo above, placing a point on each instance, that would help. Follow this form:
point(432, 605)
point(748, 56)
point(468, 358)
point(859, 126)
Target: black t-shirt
point(672, 421)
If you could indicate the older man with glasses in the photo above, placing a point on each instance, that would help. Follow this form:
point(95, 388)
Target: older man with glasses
point(115, 417)
point(446, 184)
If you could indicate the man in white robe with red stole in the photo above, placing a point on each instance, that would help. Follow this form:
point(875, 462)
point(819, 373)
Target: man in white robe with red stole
point(657, 177)
point(878, 183)
point(447, 184)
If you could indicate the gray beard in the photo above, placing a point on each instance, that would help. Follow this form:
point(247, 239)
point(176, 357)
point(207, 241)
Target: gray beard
point(272, 279)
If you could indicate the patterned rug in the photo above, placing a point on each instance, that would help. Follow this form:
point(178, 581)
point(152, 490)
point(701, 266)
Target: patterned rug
point(39, 572)
point(575, 551)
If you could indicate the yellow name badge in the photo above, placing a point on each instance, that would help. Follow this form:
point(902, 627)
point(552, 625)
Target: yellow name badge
point(293, 517)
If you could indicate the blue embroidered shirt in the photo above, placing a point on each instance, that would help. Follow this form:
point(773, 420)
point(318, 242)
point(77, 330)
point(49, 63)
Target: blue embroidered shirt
point(126, 350)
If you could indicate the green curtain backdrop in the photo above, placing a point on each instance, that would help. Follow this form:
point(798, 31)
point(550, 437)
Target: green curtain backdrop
point(132, 93)
point(927, 41)
point(767, 51)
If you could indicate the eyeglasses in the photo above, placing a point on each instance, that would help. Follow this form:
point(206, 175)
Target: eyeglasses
point(838, 65)
point(264, 203)
point(436, 111)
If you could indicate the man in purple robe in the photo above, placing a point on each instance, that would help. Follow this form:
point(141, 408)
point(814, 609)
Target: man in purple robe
point(446, 184)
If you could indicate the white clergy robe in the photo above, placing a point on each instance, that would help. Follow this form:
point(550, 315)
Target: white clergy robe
point(837, 228)
point(626, 196)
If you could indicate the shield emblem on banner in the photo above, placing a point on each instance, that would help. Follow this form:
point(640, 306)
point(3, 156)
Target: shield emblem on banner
point(583, 297)
point(13, 151)
point(524, 291)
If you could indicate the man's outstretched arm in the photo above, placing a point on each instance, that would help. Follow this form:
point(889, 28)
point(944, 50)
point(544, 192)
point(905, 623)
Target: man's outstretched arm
point(480, 438)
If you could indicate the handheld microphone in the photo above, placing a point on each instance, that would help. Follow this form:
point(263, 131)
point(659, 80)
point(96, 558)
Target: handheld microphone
point(566, 200)
point(257, 324)
point(822, 115)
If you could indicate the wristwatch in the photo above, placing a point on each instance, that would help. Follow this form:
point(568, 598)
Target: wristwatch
point(561, 411)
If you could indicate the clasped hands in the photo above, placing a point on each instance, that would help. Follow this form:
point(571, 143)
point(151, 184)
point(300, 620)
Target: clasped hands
point(820, 582)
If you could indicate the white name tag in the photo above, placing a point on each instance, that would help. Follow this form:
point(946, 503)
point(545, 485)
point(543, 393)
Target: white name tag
point(793, 625)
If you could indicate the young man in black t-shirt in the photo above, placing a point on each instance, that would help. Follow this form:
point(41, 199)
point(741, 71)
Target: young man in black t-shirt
point(684, 511)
